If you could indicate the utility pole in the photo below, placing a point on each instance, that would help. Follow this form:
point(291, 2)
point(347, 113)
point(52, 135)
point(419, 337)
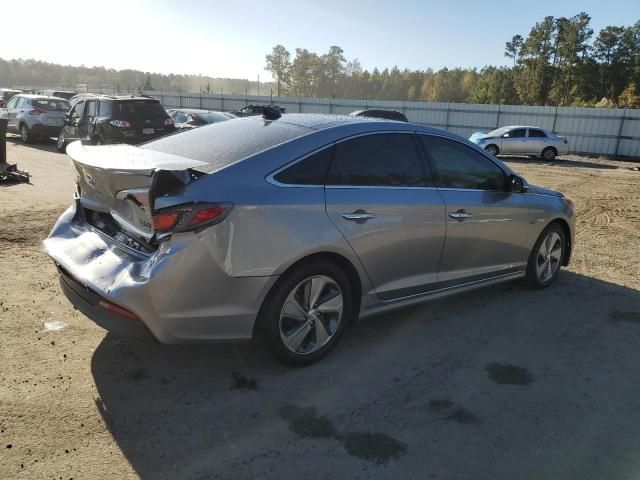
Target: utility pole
point(258, 85)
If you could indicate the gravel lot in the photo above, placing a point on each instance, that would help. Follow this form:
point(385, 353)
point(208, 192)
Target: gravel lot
point(502, 383)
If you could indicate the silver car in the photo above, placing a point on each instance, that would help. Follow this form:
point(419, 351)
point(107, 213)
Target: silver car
point(288, 229)
point(33, 116)
point(522, 140)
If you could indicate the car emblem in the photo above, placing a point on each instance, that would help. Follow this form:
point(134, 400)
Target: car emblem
point(90, 180)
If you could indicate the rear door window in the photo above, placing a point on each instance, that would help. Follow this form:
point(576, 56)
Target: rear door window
point(460, 166)
point(389, 160)
point(536, 133)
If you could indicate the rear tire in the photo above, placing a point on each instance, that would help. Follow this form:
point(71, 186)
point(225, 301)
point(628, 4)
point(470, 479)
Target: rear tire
point(546, 257)
point(25, 134)
point(306, 313)
point(549, 154)
point(61, 144)
point(492, 149)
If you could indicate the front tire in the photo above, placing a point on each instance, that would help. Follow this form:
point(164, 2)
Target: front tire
point(492, 150)
point(61, 144)
point(549, 154)
point(546, 257)
point(306, 314)
point(25, 134)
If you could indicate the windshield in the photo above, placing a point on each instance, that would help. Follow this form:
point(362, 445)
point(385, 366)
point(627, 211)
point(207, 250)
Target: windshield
point(499, 131)
point(137, 109)
point(52, 105)
point(213, 117)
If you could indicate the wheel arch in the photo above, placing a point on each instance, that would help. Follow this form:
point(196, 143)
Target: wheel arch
point(335, 258)
point(567, 238)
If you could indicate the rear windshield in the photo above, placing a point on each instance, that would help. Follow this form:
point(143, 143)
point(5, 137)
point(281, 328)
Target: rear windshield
point(52, 105)
point(8, 94)
point(66, 95)
point(137, 109)
point(223, 143)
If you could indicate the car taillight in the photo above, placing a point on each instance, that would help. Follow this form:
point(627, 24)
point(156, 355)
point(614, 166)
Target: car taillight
point(120, 123)
point(37, 111)
point(183, 218)
point(168, 122)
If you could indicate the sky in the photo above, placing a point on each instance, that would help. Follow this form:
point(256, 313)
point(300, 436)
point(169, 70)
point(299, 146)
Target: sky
point(231, 39)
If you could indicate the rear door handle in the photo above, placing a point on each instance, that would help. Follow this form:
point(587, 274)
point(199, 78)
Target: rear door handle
point(460, 215)
point(358, 215)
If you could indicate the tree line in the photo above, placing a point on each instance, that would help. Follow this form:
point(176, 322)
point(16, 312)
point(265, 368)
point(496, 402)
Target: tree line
point(558, 63)
point(30, 73)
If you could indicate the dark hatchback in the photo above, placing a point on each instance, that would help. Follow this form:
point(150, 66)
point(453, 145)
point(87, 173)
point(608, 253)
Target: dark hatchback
point(109, 119)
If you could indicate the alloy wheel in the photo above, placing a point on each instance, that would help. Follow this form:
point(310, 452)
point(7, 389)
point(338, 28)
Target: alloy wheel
point(548, 154)
point(311, 314)
point(549, 257)
point(492, 149)
point(24, 134)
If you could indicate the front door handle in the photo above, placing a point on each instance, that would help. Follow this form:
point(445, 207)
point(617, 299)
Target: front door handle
point(358, 216)
point(460, 214)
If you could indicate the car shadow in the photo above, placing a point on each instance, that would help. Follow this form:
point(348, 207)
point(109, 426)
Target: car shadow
point(558, 162)
point(44, 144)
point(470, 383)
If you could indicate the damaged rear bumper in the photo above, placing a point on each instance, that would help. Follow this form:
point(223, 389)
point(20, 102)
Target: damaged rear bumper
point(179, 293)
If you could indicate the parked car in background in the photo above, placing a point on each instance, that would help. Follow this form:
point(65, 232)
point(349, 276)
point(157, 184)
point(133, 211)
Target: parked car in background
point(188, 118)
point(386, 114)
point(287, 230)
point(33, 116)
point(108, 119)
point(522, 140)
point(58, 93)
point(252, 110)
point(6, 94)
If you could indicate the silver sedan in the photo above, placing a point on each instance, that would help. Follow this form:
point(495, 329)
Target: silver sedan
point(522, 140)
point(288, 228)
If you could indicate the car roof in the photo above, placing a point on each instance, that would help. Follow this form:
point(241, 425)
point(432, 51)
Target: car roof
point(103, 96)
point(9, 90)
point(223, 143)
point(34, 96)
point(524, 126)
point(197, 110)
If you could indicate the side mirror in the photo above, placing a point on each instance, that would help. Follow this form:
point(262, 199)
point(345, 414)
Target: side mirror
point(516, 184)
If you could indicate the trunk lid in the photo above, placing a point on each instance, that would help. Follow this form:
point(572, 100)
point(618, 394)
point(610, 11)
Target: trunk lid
point(123, 181)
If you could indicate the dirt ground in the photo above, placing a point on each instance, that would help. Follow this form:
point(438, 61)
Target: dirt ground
point(502, 383)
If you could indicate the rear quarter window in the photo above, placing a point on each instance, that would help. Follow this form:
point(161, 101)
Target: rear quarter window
point(308, 171)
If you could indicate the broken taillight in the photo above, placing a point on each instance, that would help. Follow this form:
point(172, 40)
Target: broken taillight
point(183, 218)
